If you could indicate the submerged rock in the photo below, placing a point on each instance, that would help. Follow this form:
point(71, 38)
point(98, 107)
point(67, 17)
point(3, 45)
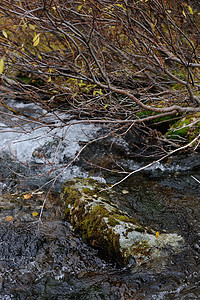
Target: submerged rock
point(94, 214)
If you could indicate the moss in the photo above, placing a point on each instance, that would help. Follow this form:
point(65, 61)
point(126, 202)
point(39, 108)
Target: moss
point(66, 212)
point(88, 191)
point(101, 210)
point(96, 232)
point(122, 217)
point(180, 128)
point(91, 218)
point(125, 218)
point(105, 195)
point(184, 129)
point(112, 221)
point(146, 113)
point(194, 131)
point(139, 229)
point(149, 231)
point(129, 230)
point(71, 195)
point(89, 221)
point(28, 78)
point(91, 181)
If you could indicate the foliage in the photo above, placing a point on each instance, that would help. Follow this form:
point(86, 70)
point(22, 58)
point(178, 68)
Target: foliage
point(114, 59)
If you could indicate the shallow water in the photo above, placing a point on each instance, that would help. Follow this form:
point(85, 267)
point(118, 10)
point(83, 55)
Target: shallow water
point(46, 260)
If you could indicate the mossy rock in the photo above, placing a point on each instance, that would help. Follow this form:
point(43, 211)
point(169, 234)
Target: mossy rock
point(160, 123)
point(187, 128)
point(94, 215)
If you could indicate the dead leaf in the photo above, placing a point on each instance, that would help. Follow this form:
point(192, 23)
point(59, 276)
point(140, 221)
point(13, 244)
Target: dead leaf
point(9, 219)
point(5, 34)
point(125, 192)
point(27, 196)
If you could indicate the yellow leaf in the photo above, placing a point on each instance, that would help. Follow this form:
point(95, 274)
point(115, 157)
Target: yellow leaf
point(190, 10)
point(36, 36)
point(35, 214)
point(31, 26)
point(1, 66)
point(184, 13)
point(49, 79)
point(27, 196)
point(5, 34)
point(157, 234)
point(79, 7)
point(105, 106)
point(36, 40)
point(9, 219)
point(99, 92)
point(75, 94)
point(120, 5)
point(54, 8)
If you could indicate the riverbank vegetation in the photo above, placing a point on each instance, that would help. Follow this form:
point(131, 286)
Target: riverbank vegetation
point(121, 63)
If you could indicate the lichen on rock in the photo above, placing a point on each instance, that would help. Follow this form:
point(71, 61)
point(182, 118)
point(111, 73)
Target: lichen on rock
point(94, 214)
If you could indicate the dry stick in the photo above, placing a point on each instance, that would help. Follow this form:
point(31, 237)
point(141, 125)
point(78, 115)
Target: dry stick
point(152, 163)
point(195, 179)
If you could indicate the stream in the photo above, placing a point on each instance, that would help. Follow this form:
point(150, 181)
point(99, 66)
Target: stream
point(46, 260)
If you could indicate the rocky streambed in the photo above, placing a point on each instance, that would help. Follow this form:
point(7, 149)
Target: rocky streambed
point(68, 256)
point(155, 213)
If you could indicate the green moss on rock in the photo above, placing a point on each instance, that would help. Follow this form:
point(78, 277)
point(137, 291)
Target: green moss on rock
point(112, 221)
point(187, 128)
point(96, 217)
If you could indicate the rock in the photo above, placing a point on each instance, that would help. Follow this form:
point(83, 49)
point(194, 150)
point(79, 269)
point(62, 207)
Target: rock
point(94, 214)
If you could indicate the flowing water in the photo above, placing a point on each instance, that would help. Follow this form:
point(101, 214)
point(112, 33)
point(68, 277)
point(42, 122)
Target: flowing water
point(46, 260)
